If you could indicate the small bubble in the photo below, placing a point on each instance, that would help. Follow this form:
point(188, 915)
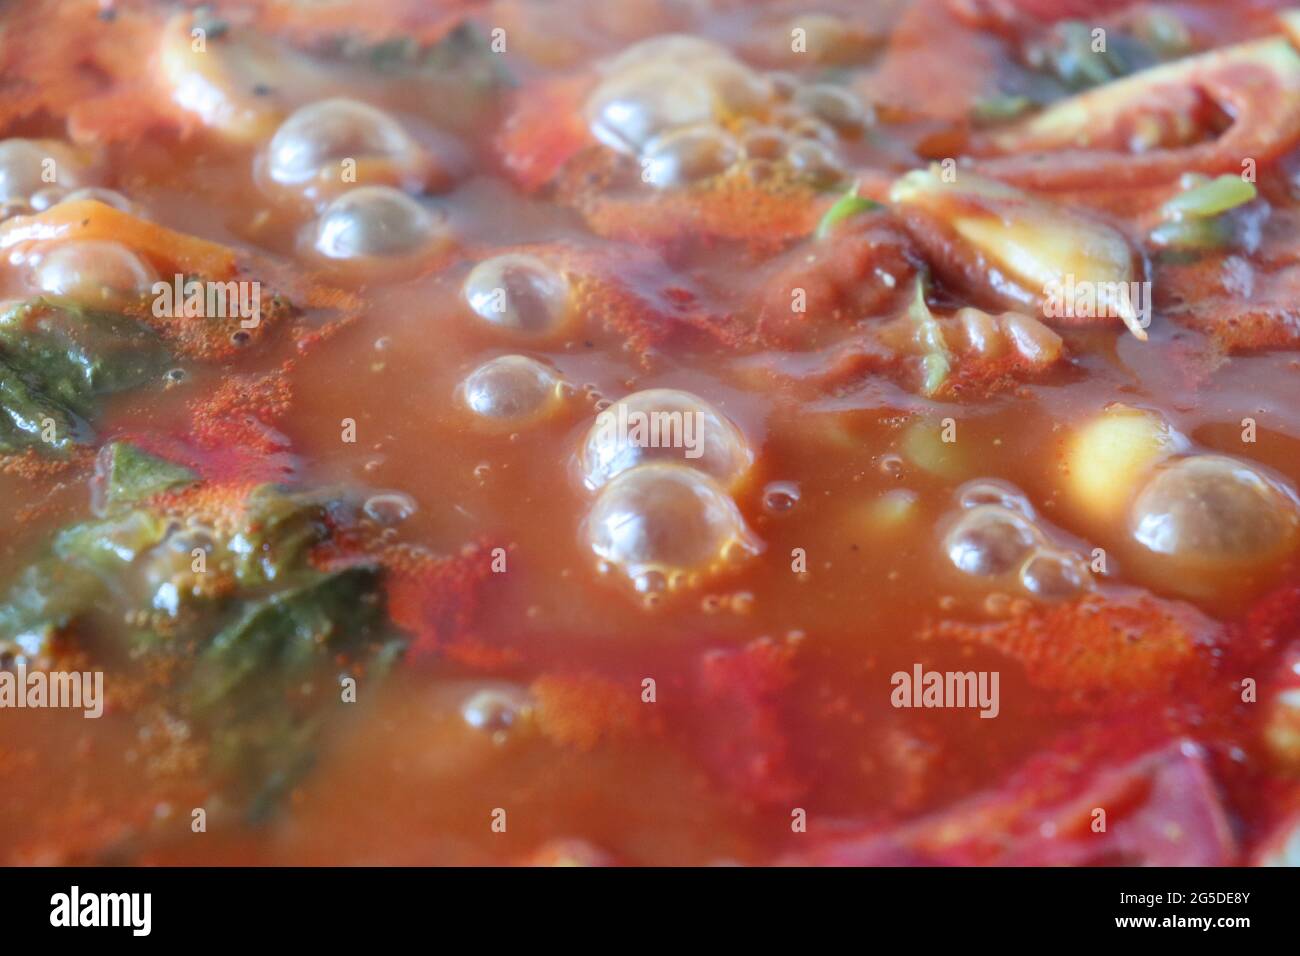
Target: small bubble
point(390, 507)
point(989, 540)
point(652, 582)
point(891, 465)
point(176, 375)
point(997, 604)
point(989, 491)
point(780, 496)
point(1053, 575)
point(496, 709)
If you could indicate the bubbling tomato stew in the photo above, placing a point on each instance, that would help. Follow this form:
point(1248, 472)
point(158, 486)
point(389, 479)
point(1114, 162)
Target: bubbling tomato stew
point(653, 432)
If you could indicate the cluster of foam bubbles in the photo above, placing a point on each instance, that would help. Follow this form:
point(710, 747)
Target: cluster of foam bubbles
point(361, 167)
point(997, 537)
point(687, 110)
point(662, 462)
point(38, 174)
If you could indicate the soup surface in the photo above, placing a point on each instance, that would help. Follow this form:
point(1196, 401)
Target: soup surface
point(676, 432)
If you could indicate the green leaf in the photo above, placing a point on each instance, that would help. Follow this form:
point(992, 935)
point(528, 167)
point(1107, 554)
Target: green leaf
point(132, 476)
point(264, 685)
point(24, 412)
point(43, 600)
point(56, 360)
point(281, 638)
point(847, 206)
point(256, 650)
point(112, 542)
point(280, 529)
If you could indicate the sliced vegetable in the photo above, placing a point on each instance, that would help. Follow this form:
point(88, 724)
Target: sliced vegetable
point(1210, 198)
point(1007, 245)
point(1094, 137)
point(1198, 219)
point(170, 251)
point(235, 81)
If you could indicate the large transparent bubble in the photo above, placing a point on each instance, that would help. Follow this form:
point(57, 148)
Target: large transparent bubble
point(519, 291)
point(663, 526)
point(990, 540)
point(511, 389)
point(375, 221)
point(663, 424)
point(630, 109)
point(679, 49)
point(687, 155)
point(319, 137)
point(669, 82)
point(1212, 509)
point(94, 272)
point(994, 491)
point(28, 166)
point(1054, 575)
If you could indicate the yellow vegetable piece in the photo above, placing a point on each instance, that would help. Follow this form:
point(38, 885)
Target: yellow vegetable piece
point(1109, 458)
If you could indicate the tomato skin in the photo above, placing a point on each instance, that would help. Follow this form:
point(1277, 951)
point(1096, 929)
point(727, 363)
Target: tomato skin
point(1053, 10)
point(1162, 808)
point(1015, 13)
point(544, 131)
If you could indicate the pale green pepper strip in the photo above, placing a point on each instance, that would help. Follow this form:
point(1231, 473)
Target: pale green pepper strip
point(1210, 199)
